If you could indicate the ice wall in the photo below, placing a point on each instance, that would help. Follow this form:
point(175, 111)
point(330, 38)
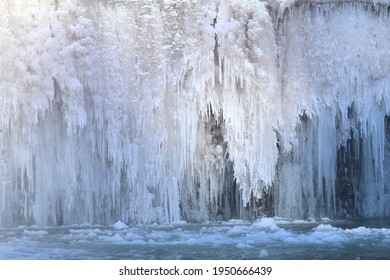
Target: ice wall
point(158, 110)
point(335, 66)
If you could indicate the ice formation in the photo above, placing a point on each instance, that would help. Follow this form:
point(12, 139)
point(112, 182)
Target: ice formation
point(162, 110)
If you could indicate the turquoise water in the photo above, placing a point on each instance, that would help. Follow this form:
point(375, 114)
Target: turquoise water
point(267, 238)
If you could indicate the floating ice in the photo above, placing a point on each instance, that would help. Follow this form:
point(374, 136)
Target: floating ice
point(35, 233)
point(199, 241)
point(266, 224)
point(120, 225)
point(162, 111)
point(263, 254)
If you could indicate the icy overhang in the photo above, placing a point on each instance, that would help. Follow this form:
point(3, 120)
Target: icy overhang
point(279, 7)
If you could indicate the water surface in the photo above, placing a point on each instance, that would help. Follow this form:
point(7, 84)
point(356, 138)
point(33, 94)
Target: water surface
point(266, 238)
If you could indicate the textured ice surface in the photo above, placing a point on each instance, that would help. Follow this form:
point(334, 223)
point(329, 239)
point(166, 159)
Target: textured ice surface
point(262, 239)
point(160, 111)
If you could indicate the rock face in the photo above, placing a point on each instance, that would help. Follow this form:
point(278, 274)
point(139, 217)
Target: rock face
point(156, 111)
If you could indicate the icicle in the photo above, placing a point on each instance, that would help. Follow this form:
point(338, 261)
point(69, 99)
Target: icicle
point(155, 111)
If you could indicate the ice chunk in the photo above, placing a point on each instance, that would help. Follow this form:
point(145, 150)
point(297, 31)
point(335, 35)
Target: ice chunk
point(263, 254)
point(120, 226)
point(266, 223)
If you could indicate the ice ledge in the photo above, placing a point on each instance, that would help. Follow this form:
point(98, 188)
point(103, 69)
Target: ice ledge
point(279, 6)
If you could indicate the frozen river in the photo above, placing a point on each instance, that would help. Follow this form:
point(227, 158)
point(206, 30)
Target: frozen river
point(267, 238)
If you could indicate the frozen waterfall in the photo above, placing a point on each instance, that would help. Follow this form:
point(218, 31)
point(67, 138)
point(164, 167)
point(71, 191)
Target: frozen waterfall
point(160, 110)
